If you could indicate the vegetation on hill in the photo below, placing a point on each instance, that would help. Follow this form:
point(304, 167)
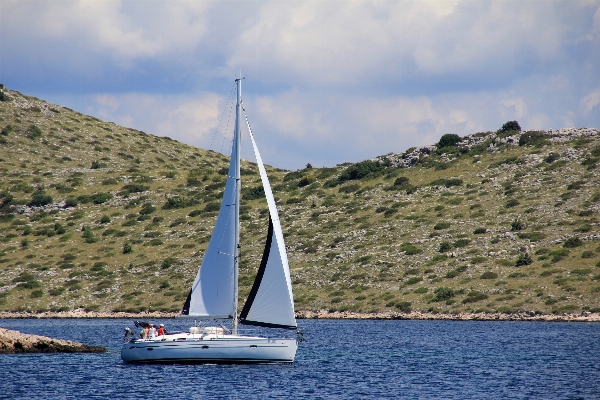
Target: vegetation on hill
point(106, 218)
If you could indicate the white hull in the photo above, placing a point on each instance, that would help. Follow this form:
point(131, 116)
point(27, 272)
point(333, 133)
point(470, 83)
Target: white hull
point(221, 349)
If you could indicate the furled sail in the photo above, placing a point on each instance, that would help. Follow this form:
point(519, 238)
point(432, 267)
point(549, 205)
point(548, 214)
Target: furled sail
point(271, 302)
point(212, 294)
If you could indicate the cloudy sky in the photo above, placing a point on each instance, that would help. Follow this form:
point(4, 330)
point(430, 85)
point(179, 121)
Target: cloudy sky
point(326, 82)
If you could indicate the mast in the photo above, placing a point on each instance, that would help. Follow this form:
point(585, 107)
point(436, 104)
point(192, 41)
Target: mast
point(237, 139)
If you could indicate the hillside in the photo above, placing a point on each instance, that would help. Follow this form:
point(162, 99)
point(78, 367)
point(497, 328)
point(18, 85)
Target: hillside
point(106, 218)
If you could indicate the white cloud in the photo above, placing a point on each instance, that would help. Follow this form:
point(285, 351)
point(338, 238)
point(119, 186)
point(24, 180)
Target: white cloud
point(329, 81)
point(332, 42)
point(188, 119)
point(590, 101)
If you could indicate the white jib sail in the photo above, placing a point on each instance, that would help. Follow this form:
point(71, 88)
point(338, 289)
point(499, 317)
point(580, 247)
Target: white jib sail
point(212, 294)
point(273, 304)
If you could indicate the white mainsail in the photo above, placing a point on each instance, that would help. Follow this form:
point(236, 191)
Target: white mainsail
point(271, 301)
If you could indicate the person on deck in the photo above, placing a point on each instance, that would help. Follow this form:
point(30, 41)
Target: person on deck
point(161, 330)
point(152, 331)
point(146, 334)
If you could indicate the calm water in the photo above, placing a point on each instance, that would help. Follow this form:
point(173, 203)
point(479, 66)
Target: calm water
point(340, 359)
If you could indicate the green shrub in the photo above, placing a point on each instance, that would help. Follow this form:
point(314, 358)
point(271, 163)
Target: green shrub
point(109, 182)
point(6, 217)
point(510, 126)
point(71, 202)
point(532, 236)
point(404, 306)
point(551, 301)
point(36, 294)
point(389, 212)
point(452, 274)
point(566, 309)
point(441, 225)
point(34, 132)
point(581, 272)
point(588, 254)
point(331, 183)
point(257, 192)
point(168, 262)
point(533, 138)
point(445, 247)
point(195, 213)
point(446, 182)
point(443, 293)
point(474, 296)
point(449, 140)
point(7, 130)
point(558, 255)
point(212, 207)
point(572, 242)
point(100, 198)
point(147, 208)
point(96, 165)
point(489, 275)
point(127, 248)
point(175, 203)
point(410, 249)
point(165, 284)
point(40, 198)
point(455, 272)
point(361, 170)
point(307, 180)
point(56, 291)
point(524, 259)
point(508, 160)
point(349, 188)
point(479, 231)
point(462, 243)
point(421, 290)
point(512, 203)
point(575, 185)
point(135, 188)
point(105, 219)
point(517, 225)
point(401, 182)
point(129, 222)
point(33, 284)
point(550, 158)
point(413, 280)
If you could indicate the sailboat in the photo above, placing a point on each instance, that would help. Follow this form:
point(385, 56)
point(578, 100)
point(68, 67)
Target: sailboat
point(214, 293)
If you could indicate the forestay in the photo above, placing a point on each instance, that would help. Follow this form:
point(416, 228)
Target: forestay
point(270, 302)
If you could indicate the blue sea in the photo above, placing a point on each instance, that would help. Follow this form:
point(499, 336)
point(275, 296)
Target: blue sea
point(340, 359)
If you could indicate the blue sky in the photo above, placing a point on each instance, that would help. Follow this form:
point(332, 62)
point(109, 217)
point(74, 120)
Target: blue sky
point(326, 82)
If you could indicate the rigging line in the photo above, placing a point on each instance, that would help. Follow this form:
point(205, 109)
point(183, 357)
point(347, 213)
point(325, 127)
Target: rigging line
point(226, 130)
point(221, 119)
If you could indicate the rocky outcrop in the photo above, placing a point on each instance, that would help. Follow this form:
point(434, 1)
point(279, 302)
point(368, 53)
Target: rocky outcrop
point(416, 315)
point(12, 342)
point(412, 156)
point(80, 313)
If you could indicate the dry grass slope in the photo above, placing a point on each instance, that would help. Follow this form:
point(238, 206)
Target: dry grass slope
point(105, 218)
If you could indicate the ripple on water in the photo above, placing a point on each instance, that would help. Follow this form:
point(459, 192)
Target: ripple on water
point(340, 359)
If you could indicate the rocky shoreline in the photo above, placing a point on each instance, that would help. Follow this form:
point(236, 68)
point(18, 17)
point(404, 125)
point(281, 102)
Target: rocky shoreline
point(14, 342)
point(324, 314)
